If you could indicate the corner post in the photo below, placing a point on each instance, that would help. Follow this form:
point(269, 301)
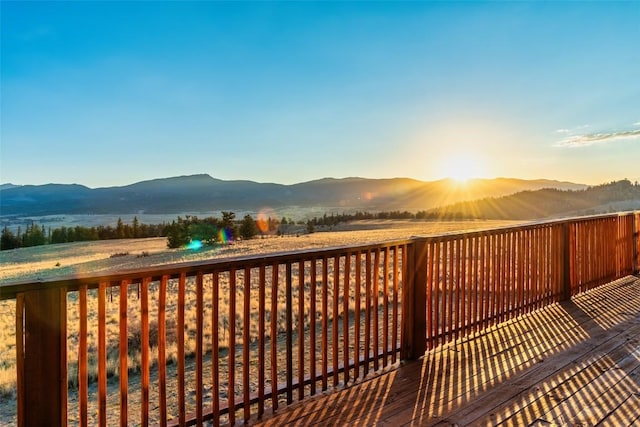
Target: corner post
point(415, 301)
point(42, 390)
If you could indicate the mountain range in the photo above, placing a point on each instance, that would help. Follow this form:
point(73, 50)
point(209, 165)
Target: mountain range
point(202, 193)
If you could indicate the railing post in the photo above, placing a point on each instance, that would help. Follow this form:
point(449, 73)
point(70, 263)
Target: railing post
point(43, 389)
point(415, 301)
point(566, 261)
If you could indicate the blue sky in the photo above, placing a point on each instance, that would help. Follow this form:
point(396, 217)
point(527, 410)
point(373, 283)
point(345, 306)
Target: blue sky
point(111, 93)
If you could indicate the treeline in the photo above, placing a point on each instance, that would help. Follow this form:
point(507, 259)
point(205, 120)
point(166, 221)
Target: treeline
point(180, 232)
point(335, 219)
point(36, 235)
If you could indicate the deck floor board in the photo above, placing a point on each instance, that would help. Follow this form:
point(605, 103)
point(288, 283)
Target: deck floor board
point(572, 363)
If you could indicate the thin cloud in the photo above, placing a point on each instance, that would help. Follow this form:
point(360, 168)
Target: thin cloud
point(597, 138)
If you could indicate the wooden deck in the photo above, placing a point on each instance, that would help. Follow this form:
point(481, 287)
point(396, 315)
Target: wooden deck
point(572, 363)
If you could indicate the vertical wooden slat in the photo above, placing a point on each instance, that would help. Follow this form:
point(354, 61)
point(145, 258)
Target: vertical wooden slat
point(215, 347)
point(394, 335)
point(162, 347)
point(231, 385)
point(301, 347)
point(493, 279)
point(357, 314)
point(444, 325)
point(83, 395)
point(261, 337)
point(102, 354)
point(521, 269)
point(437, 298)
point(466, 291)
point(376, 304)
point(458, 279)
point(476, 282)
point(367, 314)
point(486, 313)
point(431, 324)
point(403, 316)
point(325, 321)
point(20, 359)
point(345, 316)
point(566, 262)
point(312, 328)
point(124, 291)
point(181, 356)
point(385, 308)
point(246, 343)
point(144, 354)
point(289, 332)
point(274, 335)
point(450, 289)
point(503, 275)
point(199, 345)
point(335, 332)
point(512, 273)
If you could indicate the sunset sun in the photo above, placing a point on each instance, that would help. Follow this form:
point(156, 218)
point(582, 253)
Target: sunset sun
point(462, 168)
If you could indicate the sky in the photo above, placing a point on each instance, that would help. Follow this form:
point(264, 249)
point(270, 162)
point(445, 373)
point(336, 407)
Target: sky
point(112, 93)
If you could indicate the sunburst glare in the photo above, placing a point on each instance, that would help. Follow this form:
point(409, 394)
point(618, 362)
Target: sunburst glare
point(463, 167)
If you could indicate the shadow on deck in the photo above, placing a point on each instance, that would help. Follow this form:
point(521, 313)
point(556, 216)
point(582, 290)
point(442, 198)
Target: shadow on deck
point(572, 363)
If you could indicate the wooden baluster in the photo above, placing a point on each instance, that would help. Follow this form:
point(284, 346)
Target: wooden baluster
point(83, 394)
point(215, 347)
point(102, 354)
point(301, 328)
point(367, 314)
point(246, 343)
point(312, 327)
point(274, 335)
point(357, 315)
point(385, 307)
point(376, 304)
point(143, 288)
point(162, 346)
point(335, 326)
point(231, 387)
point(345, 316)
point(199, 345)
point(289, 333)
point(394, 326)
point(325, 322)
point(181, 353)
point(124, 369)
point(261, 337)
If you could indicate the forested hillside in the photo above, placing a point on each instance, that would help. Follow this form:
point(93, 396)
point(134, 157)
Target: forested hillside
point(544, 203)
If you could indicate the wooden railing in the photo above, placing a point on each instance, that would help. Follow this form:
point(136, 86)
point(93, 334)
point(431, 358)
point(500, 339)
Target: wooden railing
point(250, 335)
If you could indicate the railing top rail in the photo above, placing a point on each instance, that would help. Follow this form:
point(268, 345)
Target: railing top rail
point(10, 290)
point(73, 282)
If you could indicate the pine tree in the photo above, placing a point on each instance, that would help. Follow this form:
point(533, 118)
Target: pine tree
point(8, 240)
point(248, 228)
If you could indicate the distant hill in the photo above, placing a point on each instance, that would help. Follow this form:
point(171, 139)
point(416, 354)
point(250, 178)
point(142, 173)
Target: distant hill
point(548, 202)
point(202, 193)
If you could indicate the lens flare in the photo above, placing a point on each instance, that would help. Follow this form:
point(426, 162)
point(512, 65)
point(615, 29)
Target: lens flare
point(264, 215)
point(194, 245)
point(223, 236)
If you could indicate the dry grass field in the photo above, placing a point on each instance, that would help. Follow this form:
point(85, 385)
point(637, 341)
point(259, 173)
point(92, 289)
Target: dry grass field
point(47, 262)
